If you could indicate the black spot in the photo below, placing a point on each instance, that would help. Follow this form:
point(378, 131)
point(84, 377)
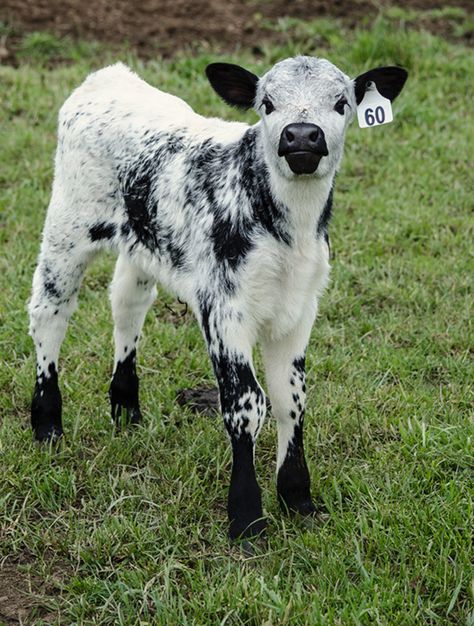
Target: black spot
point(176, 253)
point(326, 239)
point(231, 241)
point(139, 182)
point(299, 365)
point(52, 290)
point(102, 230)
point(324, 218)
point(205, 310)
point(136, 193)
point(51, 282)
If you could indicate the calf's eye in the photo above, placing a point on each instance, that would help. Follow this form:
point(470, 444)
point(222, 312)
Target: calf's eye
point(268, 106)
point(340, 104)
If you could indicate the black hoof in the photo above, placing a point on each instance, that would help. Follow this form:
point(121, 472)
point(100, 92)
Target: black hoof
point(123, 416)
point(293, 506)
point(245, 529)
point(253, 546)
point(50, 435)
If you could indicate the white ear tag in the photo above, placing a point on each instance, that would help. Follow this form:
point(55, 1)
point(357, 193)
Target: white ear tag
point(374, 109)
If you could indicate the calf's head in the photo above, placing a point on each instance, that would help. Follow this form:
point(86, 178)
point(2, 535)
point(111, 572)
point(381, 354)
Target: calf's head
point(305, 104)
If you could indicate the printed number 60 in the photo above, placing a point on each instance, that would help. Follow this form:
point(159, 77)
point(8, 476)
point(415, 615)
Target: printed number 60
point(370, 117)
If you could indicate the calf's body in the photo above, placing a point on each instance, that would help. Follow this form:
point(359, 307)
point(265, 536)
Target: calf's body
point(199, 206)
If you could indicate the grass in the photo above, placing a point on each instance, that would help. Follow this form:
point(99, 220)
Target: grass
point(131, 529)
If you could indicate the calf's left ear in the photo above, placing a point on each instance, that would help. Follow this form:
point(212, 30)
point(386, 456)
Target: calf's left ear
point(236, 85)
point(389, 82)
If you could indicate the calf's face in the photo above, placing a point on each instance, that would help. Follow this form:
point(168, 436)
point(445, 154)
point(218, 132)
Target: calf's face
point(305, 104)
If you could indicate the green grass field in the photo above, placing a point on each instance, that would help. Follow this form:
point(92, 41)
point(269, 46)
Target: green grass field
point(131, 528)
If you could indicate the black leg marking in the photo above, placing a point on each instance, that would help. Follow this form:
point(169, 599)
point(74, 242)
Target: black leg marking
point(123, 393)
point(244, 505)
point(242, 403)
point(293, 481)
point(46, 407)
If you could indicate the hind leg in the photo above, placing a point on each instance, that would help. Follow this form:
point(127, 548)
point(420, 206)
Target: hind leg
point(56, 283)
point(132, 293)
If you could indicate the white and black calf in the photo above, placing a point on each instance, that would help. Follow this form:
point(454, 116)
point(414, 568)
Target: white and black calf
point(231, 218)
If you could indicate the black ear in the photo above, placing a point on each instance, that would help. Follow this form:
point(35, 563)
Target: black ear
point(389, 82)
point(233, 83)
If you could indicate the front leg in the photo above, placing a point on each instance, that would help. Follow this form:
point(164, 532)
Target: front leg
point(243, 410)
point(293, 480)
point(285, 371)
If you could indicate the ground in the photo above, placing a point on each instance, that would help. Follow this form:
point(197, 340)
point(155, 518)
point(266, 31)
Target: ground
point(131, 528)
point(164, 27)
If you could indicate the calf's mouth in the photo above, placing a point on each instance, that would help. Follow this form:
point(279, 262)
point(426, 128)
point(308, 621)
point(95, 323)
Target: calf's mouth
point(303, 161)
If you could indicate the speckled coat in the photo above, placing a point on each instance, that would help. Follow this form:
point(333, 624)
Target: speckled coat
point(208, 209)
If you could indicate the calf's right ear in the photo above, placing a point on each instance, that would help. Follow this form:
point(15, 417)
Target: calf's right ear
point(234, 84)
point(389, 82)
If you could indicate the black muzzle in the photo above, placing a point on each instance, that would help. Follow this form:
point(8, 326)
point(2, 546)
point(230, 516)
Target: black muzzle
point(303, 146)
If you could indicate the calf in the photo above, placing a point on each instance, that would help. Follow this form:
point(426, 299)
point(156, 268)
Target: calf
point(231, 218)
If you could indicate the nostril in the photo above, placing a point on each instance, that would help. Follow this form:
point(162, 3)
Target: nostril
point(289, 135)
point(314, 136)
